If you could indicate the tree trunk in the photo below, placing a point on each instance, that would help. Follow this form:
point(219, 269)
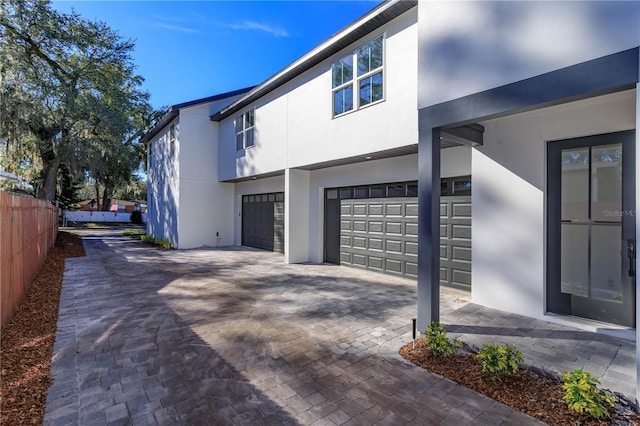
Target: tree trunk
point(49, 179)
point(106, 200)
point(98, 197)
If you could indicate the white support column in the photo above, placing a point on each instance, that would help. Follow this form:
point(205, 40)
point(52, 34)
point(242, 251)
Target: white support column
point(637, 213)
point(296, 216)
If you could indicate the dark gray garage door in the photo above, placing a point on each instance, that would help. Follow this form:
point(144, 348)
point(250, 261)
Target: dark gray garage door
point(263, 221)
point(381, 233)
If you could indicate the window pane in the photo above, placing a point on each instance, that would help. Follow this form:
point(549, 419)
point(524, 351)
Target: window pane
point(606, 183)
point(345, 193)
point(606, 258)
point(343, 100)
point(412, 190)
point(575, 184)
point(361, 192)
point(239, 142)
point(462, 187)
point(371, 89)
point(248, 119)
point(332, 194)
point(444, 187)
point(370, 56)
point(248, 138)
point(574, 257)
point(395, 190)
point(342, 71)
point(239, 124)
point(377, 191)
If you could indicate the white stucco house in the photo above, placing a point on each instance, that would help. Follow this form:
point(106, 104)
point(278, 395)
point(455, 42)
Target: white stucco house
point(489, 146)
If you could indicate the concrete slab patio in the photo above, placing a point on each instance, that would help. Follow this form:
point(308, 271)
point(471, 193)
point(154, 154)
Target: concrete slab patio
point(234, 336)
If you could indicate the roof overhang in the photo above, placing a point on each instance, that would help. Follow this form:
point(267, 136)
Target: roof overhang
point(377, 17)
point(174, 110)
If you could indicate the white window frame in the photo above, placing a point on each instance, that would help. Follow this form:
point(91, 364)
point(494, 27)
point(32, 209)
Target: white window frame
point(244, 126)
point(357, 78)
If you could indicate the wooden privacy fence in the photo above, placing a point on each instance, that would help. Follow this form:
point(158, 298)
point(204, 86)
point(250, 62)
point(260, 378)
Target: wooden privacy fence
point(28, 229)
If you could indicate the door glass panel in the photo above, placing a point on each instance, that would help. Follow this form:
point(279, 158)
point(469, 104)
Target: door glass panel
point(574, 274)
point(606, 262)
point(575, 184)
point(606, 183)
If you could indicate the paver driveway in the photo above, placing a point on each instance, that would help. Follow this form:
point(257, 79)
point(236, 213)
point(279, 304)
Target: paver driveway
point(234, 336)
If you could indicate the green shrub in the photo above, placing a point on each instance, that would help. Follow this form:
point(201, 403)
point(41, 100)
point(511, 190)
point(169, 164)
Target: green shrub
point(135, 234)
point(437, 342)
point(582, 395)
point(158, 242)
point(136, 217)
point(498, 360)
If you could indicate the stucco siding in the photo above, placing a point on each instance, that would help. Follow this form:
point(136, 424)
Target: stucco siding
point(508, 197)
point(294, 125)
point(206, 207)
point(469, 46)
point(163, 189)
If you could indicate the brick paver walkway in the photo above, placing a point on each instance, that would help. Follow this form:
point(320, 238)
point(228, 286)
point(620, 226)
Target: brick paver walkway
point(234, 336)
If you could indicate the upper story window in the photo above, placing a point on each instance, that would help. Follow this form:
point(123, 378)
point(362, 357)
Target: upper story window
point(245, 126)
point(172, 140)
point(360, 85)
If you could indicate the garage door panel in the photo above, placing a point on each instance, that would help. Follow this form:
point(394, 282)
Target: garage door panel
point(395, 266)
point(376, 227)
point(359, 259)
point(359, 210)
point(411, 269)
point(376, 263)
point(375, 244)
point(393, 210)
point(359, 242)
point(359, 226)
point(461, 231)
point(411, 247)
point(393, 228)
point(376, 209)
point(461, 253)
point(393, 246)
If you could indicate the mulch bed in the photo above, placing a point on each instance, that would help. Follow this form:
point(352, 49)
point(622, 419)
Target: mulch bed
point(526, 391)
point(26, 342)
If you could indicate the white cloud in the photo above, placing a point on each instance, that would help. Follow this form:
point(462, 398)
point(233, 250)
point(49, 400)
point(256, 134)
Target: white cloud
point(179, 28)
point(257, 26)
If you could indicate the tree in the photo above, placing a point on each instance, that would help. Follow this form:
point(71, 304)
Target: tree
point(69, 97)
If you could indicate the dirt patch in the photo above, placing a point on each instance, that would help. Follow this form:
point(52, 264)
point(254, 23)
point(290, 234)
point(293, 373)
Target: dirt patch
point(526, 391)
point(26, 342)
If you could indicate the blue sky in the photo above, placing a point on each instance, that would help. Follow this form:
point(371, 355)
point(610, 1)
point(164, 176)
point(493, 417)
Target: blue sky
point(188, 50)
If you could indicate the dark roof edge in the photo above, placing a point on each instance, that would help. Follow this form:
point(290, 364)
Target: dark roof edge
point(374, 19)
point(173, 111)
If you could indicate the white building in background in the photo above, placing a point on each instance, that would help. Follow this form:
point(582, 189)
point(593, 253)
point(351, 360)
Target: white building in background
point(482, 145)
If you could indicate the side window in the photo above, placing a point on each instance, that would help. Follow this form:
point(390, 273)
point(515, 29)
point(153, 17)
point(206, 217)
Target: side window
point(245, 126)
point(172, 141)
